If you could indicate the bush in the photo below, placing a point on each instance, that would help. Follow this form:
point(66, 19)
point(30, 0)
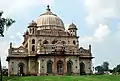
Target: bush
point(68, 74)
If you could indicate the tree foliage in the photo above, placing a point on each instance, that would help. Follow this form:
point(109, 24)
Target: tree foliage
point(105, 66)
point(5, 22)
point(117, 69)
point(99, 69)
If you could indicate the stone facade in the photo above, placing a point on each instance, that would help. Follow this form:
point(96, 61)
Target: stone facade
point(49, 49)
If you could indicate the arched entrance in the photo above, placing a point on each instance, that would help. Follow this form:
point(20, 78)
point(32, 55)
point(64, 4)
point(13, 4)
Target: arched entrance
point(69, 67)
point(21, 69)
point(60, 67)
point(82, 68)
point(49, 66)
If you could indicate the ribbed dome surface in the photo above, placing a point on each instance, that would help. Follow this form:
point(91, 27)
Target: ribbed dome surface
point(49, 19)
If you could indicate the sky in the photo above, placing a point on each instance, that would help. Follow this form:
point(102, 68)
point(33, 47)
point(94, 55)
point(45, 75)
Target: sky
point(98, 23)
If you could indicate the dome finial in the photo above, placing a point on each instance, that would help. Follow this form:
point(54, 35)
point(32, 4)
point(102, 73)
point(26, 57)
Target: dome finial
point(48, 8)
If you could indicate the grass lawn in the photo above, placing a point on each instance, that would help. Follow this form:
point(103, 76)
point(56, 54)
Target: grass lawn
point(65, 78)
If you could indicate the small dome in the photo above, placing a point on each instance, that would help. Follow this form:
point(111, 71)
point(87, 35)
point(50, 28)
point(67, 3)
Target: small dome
point(49, 19)
point(72, 26)
point(33, 23)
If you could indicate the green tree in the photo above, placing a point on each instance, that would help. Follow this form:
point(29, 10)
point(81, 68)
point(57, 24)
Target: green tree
point(117, 69)
point(5, 22)
point(99, 69)
point(105, 66)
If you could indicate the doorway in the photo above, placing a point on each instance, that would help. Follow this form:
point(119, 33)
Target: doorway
point(69, 67)
point(21, 69)
point(60, 67)
point(82, 68)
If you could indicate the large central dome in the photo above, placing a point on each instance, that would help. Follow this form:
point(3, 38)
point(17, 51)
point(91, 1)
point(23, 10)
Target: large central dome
point(49, 20)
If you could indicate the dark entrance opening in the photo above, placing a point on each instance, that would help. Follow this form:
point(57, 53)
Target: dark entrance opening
point(21, 69)
point(69, 67)
point(60, 67)
point(49, 66)
point(82, 68)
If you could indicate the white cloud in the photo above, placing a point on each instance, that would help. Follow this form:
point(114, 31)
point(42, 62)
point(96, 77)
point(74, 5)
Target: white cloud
point(107, 49)
point(86, 40)
point(99, 11)
point(102, 31)
point(12, 37)
point(21, 6)
point(15, 38)
point(20, 35)
point(98, 36)
point(105, 41)
point(118, 26)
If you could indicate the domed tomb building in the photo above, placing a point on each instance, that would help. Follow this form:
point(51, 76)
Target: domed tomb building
point(49, 49)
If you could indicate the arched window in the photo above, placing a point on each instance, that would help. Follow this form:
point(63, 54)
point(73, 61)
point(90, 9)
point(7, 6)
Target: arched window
point(74, 42)
point(33, 41)
point(33, 31)
point(30, 30)
point(69, 67)
point(49, 66)
point(21, 68)
point(59, 67)
point(54, 41)
point(82, 68)
point(33, 47)
point(45, 42)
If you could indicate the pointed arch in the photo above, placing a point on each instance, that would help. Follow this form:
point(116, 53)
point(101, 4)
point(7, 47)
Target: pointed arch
point(49, 66)
point(59, 67)
point(45, 42)
point(82, 68)
point(54, 41)
point(69, 66)
point(21, 68)
point(33, 41)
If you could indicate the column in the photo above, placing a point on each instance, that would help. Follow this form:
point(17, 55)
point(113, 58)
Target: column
point(39, 67)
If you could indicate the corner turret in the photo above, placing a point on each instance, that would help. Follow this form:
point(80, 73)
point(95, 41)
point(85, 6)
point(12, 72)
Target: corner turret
point(32, 28)
point(73, 29)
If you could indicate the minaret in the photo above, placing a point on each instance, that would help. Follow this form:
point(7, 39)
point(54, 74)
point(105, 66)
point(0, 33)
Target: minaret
point(90, 47)
point(32, 29)
point(10, 45)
